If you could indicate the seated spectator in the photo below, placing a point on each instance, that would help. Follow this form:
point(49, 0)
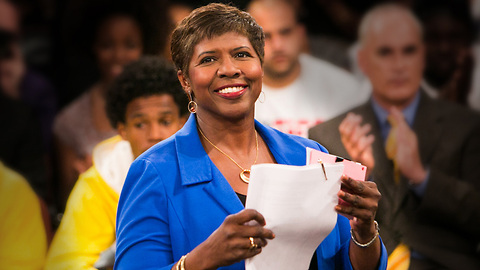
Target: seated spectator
point(146, 104)
point(449, 34)
point(23, 242)
point(120, 34)
point(423, 153)
point(176, 12)
point(299, 90)
point(20, 82)
point(21, 145)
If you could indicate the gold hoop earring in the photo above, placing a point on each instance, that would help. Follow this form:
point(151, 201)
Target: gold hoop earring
point(192, 106)
point(261, 97)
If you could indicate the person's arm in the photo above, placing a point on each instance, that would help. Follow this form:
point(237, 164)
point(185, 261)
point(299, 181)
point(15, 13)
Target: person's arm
point(455, 200)
point(87, 227)
point(362, 202)
point(70, 165)
point(144, 233)
point(452, 198)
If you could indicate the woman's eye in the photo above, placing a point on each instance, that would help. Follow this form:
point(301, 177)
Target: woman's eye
point(243, 54)
point(207, 60)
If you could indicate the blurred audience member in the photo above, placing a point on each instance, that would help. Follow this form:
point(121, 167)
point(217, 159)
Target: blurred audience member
point(299, 90)
point(77, 64)
point(176, 12)
point(423, 153)
point(449, 34)
point(20, 140)
point(119, 34)
point(23, 242)
point(146, 104)
point(474, 96)
point(19, 82)
point(9, 17)
point(331, 27)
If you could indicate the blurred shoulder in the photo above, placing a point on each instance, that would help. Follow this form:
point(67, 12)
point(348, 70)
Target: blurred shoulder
point(70, 119)
point(324, 69)
point(13, 186)
point(452, 114)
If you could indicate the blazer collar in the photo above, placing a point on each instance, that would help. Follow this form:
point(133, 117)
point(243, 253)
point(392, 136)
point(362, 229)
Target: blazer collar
point(196, 166)
point(193, 161)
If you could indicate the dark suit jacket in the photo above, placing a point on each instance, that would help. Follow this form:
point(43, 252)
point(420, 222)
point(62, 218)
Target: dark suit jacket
point(443, 225)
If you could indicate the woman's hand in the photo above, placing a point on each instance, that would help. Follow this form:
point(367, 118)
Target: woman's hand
point(362, 199)
point(230, 243)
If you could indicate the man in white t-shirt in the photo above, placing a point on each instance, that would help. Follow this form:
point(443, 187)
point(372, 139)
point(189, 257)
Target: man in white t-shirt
point(299, 90)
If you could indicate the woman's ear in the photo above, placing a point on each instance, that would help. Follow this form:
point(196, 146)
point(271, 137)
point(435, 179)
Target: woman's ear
point(184, 82)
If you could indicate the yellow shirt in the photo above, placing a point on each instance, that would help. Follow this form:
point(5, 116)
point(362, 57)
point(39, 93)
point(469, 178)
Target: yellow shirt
point(23, 241)
point(88, 224)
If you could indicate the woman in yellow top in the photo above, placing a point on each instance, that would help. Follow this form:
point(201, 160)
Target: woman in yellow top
point(146, 104)
point(23, 241)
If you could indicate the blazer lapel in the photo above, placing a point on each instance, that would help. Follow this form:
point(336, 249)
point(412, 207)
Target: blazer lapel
point(221, 192)
point(285, 150)
point(197, 168)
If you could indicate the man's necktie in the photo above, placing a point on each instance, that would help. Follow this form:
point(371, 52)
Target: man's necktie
point(399, 259)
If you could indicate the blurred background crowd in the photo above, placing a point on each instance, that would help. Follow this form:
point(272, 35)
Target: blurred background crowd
point(58, 58)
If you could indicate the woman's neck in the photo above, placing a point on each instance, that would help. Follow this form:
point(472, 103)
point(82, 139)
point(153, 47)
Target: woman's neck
point(229, 135)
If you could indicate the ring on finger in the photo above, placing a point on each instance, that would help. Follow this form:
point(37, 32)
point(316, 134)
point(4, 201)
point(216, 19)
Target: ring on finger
point(252, 243)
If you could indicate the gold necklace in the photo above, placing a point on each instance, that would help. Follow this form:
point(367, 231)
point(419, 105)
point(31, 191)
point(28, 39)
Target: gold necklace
point(243, 176)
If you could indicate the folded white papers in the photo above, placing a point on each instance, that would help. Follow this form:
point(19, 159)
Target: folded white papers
point(298, 205)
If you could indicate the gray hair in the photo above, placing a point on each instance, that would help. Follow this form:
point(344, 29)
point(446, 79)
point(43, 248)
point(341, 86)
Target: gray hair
point(374, 16)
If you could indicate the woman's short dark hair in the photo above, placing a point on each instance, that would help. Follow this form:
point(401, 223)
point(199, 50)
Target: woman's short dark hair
point(210, 21)
point(148, 76)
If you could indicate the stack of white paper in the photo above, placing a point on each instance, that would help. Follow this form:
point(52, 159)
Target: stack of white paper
point(298, 205)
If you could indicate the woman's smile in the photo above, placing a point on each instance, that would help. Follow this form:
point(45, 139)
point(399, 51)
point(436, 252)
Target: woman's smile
point(225, 76)
point(231, 91)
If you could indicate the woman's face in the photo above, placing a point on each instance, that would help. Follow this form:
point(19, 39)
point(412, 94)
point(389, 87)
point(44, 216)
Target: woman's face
point(225, 76)
point(118, 42)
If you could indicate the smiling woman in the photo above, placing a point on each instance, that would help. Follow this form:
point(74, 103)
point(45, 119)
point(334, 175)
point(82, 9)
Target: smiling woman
point(224, 76)
point(181, 205)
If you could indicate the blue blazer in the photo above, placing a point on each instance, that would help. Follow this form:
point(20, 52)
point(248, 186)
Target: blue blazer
point(174, 197)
